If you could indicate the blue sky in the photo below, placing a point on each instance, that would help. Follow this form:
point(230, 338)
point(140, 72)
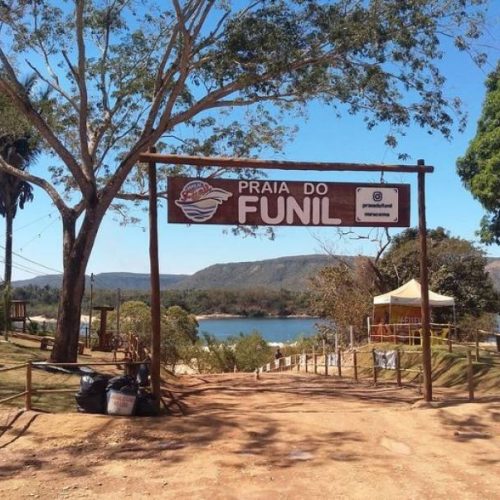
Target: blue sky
point(322, 137)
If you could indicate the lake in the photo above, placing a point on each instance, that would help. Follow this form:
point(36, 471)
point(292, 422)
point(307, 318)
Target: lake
point(272, 329)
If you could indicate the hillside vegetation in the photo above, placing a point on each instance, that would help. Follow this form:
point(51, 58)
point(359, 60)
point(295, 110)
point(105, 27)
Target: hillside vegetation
point(289, 273)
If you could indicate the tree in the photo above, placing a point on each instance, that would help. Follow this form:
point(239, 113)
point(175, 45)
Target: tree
point(456, 268)
point(179, 334)
point(343, 293)
point(479, 168)
point(250, 351)
point(125, 79)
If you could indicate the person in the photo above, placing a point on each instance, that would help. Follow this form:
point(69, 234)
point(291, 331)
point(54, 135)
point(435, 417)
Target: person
point(278, 354)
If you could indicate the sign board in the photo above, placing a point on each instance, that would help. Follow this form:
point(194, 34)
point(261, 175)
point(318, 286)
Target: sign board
point(287, 203)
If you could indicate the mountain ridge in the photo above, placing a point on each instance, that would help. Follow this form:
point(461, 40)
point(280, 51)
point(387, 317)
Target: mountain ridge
point(290, 272)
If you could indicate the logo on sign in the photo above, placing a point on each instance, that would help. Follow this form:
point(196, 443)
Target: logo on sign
point(377, 205)
point(199, 200)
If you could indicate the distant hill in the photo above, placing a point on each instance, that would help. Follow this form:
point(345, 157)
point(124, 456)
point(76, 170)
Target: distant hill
point(110, 281)
point(291, 273)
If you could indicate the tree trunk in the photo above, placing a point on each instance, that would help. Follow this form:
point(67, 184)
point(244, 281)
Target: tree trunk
point(76, 253)
point(8, 247)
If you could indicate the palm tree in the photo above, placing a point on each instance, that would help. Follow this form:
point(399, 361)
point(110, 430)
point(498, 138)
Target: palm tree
point(14, 192)
point(18, 147)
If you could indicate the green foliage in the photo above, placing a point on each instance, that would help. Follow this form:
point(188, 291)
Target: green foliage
point(251, 351)
point(479, 168)
point(215, 356)
point(251, 303)
point(456, 268)
point(179, 334)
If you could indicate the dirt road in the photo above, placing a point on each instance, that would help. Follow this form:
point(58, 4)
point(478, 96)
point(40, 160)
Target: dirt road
point(285, 436)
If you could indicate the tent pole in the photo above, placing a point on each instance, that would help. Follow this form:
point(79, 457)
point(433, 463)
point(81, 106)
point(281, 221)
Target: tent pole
point(424, 282)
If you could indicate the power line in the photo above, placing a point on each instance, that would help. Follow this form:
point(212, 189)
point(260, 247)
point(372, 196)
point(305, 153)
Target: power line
point(34, 221)
point(34, 262)
point(38, 235)
point(22, 268)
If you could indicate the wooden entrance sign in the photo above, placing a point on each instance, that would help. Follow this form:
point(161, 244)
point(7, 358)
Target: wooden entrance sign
point(291, 212)
point(287, 203)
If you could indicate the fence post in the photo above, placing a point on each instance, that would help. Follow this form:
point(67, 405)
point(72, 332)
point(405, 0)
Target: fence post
point(398, 367)
point(297, 361)
point(450, 343)
point(305, 360)
point(355, 364)
point(477, 345)
point(351, 336)
point(339, 362)
point(315, 364)
point(326, 365)
point(470, 375)
point(374, 367)
point(27, 403)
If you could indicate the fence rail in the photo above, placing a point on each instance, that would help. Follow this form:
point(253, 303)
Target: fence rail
point(30, 391)
point(308, 363)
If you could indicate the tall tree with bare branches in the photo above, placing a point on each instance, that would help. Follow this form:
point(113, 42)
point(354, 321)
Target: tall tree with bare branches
point(128, 74)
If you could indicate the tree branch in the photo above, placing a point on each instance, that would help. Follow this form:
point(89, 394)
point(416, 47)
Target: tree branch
point(82, 85)
point(38, 181)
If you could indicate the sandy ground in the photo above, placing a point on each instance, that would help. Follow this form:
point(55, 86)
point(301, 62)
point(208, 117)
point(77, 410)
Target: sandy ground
point(285, 436)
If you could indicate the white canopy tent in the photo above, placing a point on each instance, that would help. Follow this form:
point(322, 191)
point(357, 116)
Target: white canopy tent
point(410, 294)
point(393, 310)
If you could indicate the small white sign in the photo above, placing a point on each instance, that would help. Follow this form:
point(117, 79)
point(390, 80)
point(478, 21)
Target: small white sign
point(376, 204)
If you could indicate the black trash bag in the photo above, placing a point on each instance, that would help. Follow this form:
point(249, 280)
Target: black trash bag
point(142, 378)
point(129, 389)
point(91, 402)
point(92, 395)
point(116, 383)
point(94, 382)
point(145, 405)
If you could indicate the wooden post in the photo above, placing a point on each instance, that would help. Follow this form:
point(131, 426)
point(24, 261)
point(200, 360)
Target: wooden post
point(351, 336)
point(374, 360)
point(355, 364)
point(326, 365)
point(27, 400)
point(155, 283)
point(477, 345)
point(297, 360)
point(450, 343)
point(424, 284)
point(91, 305)
point(339, 362)
point(305, 362)
point(315, 364)
point(470, 375)
point(398, 367)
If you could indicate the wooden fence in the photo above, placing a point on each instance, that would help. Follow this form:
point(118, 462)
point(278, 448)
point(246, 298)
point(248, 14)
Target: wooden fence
point(335, 363)
point(30, 391)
